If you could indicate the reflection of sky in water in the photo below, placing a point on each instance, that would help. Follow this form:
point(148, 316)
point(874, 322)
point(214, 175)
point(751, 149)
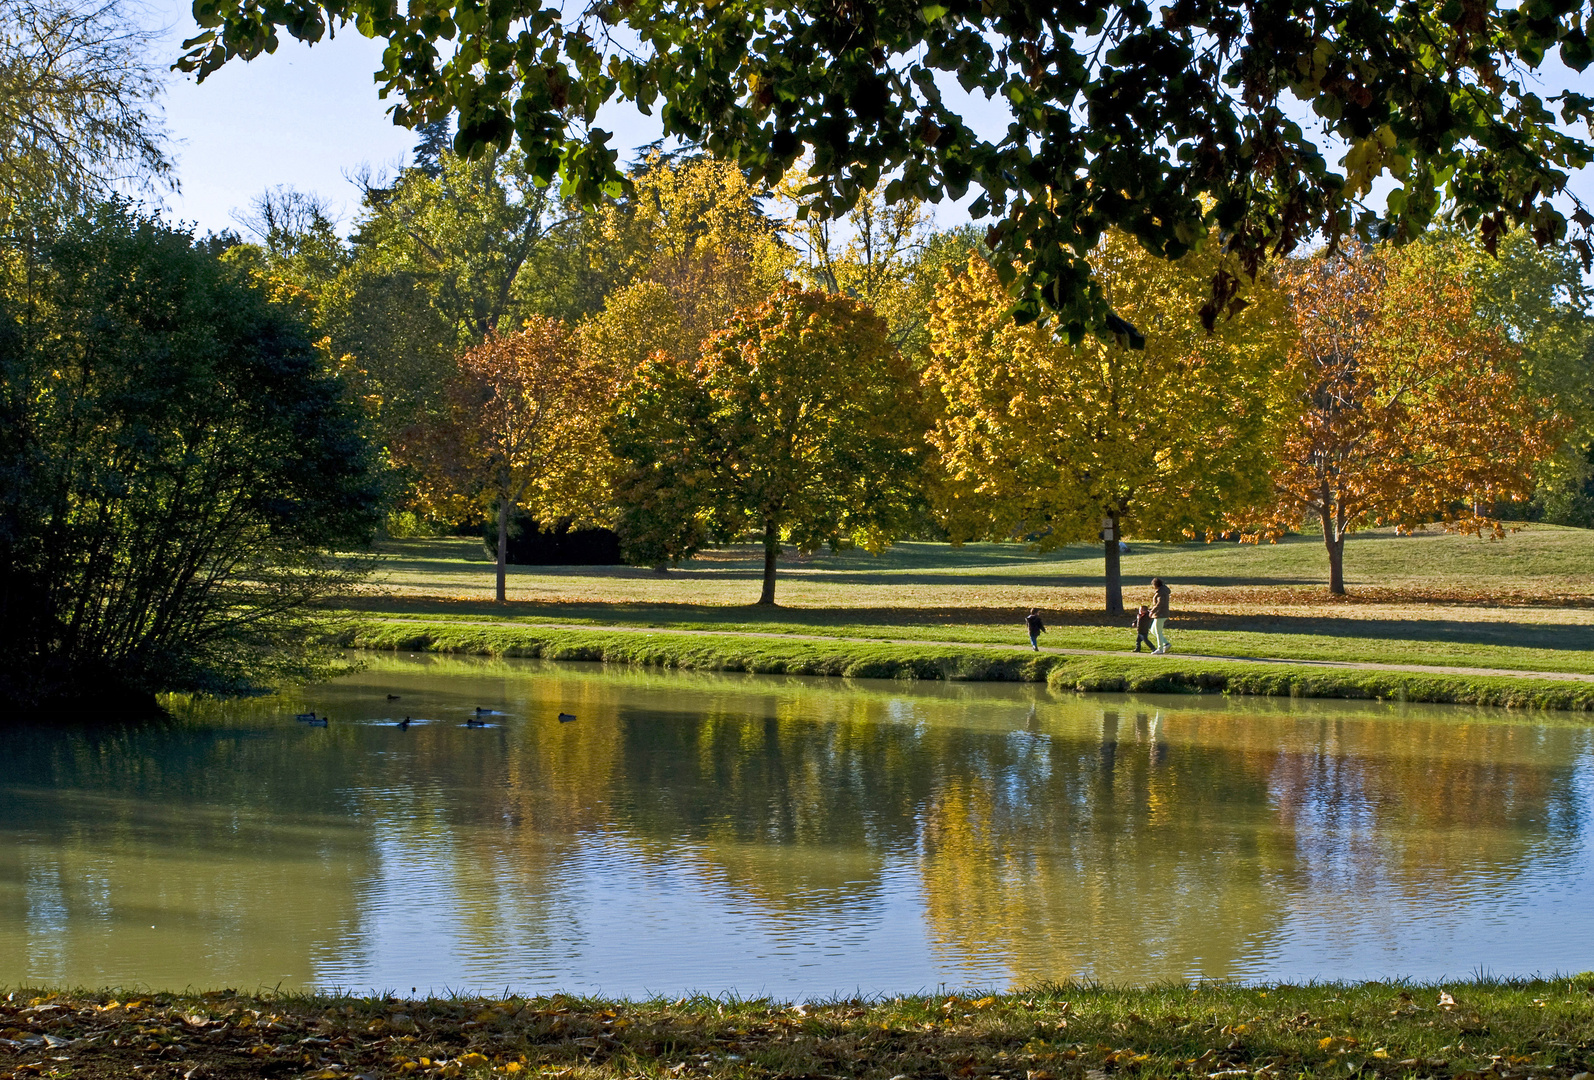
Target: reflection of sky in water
point(791, 837)
point(1466, 922)
point(623, 921)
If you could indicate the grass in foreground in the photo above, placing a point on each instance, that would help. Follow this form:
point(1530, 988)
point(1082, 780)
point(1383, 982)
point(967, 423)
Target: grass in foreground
point(1461, 1031)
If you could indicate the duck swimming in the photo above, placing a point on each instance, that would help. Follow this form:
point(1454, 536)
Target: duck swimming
point(403, 725)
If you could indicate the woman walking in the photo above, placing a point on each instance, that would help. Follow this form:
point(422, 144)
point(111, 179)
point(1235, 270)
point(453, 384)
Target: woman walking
point(1159, 615)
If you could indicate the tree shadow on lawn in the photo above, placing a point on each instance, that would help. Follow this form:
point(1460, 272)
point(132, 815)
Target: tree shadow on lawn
point(938, 563)
point(722, 567)
point(1517, 635)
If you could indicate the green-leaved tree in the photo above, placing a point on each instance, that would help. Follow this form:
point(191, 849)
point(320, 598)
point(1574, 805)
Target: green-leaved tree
point(178, 468)
point(799, 423)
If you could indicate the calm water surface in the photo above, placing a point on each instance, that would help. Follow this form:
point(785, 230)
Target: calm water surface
point(788, 837)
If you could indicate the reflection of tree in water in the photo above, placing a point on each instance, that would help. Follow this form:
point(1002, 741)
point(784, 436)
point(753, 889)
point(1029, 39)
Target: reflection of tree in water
point(492, 826)
point(1150, 845)
point(1426, 811)
point(1105, 855)
point(1050, 838)
point(793, 805)
point(162, 855)
point(1037, 848)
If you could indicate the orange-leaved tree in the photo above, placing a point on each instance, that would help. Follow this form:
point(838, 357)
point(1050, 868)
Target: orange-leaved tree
point(1412, 412)
point(799, 422)
point(522, 429)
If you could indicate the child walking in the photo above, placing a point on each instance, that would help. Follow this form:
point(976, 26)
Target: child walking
point(1036, 628)
point(1142, 625)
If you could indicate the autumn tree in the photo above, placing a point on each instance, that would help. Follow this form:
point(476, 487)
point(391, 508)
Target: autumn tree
point(1065, 442)
point(797, 423)
point(522, 430)
point(691, 232)
point(1412, 409)
point(677, 258)
point(1538, 299)
point(441, 255)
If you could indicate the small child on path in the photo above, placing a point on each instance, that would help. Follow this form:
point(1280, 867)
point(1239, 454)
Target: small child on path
point(1036, 628)
point(1142, 625)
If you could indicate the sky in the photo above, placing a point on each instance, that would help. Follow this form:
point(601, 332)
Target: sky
point(309, 118)
point(302, 117)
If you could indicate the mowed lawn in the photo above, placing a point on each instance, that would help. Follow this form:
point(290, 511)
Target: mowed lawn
point(1525, 602)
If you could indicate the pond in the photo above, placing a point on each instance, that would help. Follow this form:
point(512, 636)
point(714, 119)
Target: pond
point(787, 837)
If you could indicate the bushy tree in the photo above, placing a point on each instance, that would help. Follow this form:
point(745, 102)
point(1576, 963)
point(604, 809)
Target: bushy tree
point(176, 471)
point(798, 423)
point(1413, 409)
point(692, 232)
point(1041, 438)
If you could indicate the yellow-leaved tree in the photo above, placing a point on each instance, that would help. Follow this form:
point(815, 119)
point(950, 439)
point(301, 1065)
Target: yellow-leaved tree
point(1064, 442)
point(694, 244)
point(879, 252)
point(798, 423)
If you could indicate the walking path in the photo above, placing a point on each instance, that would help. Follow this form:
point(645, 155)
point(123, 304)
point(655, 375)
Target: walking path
point(1357, 665)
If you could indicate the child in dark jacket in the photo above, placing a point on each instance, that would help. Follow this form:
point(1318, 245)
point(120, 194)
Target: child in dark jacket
point(1032, 623)
point(1142, 625)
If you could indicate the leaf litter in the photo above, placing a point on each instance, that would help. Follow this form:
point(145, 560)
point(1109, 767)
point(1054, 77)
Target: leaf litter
point(1499, 1030)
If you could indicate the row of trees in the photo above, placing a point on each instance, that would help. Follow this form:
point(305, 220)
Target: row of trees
point(1338, 391)
point(1006, 430)
point(194, 427)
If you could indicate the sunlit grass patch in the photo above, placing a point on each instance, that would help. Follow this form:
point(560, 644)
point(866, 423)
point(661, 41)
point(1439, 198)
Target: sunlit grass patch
point(861, 659)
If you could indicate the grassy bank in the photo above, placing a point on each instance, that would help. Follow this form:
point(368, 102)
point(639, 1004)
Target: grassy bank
point(1525, 603)
point(855, 658)
point(1464, 1031)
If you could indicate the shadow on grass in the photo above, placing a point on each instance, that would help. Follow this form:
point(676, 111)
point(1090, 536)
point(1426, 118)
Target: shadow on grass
point(937, 565)
point(927, 619)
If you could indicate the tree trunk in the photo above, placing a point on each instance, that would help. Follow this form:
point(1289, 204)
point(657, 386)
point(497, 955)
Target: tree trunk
point(503, 544)
point(771, 553)
point(1115, 589)
point(1334, 541)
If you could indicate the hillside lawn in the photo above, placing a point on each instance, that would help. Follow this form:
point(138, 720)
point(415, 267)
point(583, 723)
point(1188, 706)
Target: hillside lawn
point(1525, 603)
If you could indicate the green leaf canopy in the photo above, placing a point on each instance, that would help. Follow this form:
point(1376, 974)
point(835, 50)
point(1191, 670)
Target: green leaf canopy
point(1166, 122)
